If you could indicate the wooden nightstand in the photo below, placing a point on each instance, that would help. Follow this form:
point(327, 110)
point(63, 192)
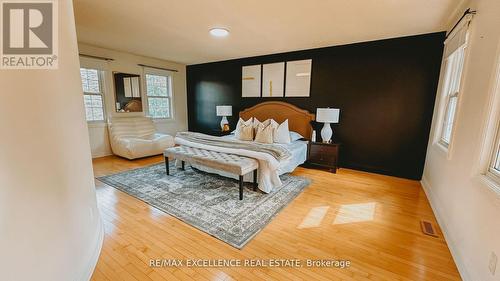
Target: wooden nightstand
point(325, 155)
point(219, 133)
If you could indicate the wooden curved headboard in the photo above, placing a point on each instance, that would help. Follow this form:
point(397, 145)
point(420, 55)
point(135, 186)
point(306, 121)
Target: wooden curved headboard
point(299, 120)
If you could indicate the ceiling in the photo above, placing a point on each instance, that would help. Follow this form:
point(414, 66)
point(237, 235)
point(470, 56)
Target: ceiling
point(177, 30)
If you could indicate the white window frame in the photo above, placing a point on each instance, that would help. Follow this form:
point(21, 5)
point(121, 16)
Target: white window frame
point(102, 93)
point(491, 136)
point(494, 158)
point(450, 81)
point(455, 44)
point(170, 97)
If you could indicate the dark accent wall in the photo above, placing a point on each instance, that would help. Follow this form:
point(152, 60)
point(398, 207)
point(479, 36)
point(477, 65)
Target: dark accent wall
point(385, 90)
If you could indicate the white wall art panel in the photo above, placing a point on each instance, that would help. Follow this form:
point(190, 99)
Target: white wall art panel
point(127, 87)
point(136, 93)
point(298, 78)
point(273, 79)
point(250, 81)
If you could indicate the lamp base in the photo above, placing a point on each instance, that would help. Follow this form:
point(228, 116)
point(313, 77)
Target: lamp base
point(223, 123)
point(326, 133)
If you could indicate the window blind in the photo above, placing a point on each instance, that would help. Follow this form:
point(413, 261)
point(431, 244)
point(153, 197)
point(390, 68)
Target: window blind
point(458, 38)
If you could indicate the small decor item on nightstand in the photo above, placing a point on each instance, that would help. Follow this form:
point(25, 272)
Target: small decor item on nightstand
point(224, 111)
point(327, 116)
point(313, 136)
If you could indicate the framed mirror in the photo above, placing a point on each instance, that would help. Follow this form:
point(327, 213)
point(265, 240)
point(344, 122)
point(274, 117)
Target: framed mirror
point(127, 92)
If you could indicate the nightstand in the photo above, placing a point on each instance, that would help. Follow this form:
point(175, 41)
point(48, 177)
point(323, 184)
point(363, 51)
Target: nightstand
point(219, 133)
point(324, 155)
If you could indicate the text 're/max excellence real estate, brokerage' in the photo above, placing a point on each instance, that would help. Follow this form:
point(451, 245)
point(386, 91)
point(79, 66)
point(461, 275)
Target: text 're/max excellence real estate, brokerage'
point(147, 142)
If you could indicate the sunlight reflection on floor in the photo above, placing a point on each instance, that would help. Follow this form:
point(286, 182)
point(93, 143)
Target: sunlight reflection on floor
point(314, 217)
point(355, 213)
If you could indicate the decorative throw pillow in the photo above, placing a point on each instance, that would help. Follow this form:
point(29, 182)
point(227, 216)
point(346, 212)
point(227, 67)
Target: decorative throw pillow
point(248, 122)
point(281, 134)
point(264, 133)
point(241, 122)
point(246, 132)
point(256, 122)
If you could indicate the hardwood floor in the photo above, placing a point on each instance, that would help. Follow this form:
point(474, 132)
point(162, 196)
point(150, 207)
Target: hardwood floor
point(370, 220)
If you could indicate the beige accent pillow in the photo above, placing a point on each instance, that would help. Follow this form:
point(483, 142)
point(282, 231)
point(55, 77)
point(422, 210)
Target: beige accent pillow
point(256, 122)
point(245, 132)
point(241, 122)
point(264, 133)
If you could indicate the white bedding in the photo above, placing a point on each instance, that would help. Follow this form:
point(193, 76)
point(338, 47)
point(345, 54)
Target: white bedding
point(269, 169)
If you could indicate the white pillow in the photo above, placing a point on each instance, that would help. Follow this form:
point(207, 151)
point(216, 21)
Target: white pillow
point(294, 136)
point(264, 133)
point(281, 134)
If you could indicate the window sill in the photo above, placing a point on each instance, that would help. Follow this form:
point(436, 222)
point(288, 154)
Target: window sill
point(443, 149)
point(93, 124)
point(163, 120)
point(491, 185)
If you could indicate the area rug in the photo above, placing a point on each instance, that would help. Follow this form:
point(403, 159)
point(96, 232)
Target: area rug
point(206, 201)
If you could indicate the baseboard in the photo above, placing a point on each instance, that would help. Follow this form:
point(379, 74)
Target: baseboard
point(94, 255)
point(452, 245)
point(101, 154)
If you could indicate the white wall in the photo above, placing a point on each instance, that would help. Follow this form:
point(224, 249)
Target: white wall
point(125, 62)
point(468, 210)
point(50, 228)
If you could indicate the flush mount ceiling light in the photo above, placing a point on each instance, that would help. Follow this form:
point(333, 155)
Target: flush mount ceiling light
point(219, 32)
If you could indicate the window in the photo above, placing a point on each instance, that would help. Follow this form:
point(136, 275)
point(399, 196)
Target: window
point(454, 58)
point(158, 92)
point(92, 94)
point(493, 171)
point(454, 67)
point(494, 165)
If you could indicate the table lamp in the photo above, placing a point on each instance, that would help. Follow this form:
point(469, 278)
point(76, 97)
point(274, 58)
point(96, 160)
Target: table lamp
point(224, 111)
point(327, 116)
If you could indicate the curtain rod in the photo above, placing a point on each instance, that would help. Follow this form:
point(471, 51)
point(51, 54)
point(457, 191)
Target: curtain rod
point(467, 12)
point(156, 67)
point(96, 57)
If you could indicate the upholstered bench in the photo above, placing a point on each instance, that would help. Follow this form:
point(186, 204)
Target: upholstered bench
point(229, 163)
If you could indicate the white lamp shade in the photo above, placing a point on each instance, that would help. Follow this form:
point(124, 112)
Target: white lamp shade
point(327, 115)
point(224, 110)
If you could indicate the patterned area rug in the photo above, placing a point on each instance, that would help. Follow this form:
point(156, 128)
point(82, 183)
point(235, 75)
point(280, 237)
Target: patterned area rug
point(206, 201)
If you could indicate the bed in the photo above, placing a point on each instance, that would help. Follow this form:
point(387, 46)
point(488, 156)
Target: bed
point(269, 168)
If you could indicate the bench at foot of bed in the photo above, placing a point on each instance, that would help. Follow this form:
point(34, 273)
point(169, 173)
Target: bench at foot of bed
point(230, 163)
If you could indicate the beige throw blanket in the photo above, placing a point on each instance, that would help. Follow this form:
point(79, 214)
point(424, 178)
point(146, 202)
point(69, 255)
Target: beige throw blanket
point(276, 151)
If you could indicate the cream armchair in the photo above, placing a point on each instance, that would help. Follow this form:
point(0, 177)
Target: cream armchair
point(136, 137)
